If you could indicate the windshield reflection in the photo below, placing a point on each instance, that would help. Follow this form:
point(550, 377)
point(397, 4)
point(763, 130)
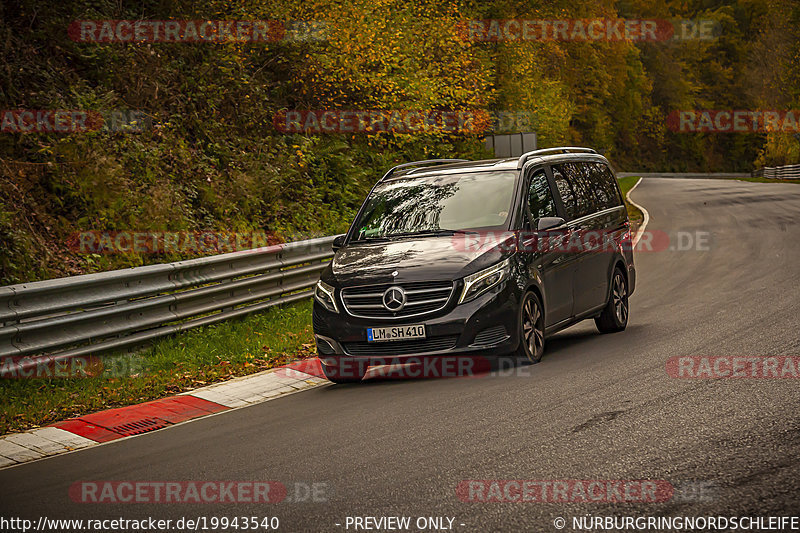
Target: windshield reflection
point(439, 203)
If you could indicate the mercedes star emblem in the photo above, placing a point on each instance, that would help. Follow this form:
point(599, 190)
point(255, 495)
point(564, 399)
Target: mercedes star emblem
point(394, 299)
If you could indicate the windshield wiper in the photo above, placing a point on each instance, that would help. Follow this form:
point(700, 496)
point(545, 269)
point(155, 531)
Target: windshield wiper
point(370, 239)
point(423, 233)
point(431, 233)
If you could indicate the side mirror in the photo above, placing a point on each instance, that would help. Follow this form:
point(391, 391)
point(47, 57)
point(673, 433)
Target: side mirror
point(546, 223)
point(338, 242)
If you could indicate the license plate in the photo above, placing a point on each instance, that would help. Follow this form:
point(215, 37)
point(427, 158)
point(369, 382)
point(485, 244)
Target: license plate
point(395, 333)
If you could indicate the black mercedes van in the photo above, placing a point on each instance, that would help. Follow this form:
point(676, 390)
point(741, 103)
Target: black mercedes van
point(476, 258)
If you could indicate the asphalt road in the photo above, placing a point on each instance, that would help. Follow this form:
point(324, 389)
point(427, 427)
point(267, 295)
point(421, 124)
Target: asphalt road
point(596, 407)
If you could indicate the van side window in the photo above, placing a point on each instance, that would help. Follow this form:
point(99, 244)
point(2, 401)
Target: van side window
point(605, 178)
point(603, 195)
point(566, 193)
point(581, 185)
point(540, 199)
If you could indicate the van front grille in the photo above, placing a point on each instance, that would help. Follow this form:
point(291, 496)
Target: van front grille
point(421, 298)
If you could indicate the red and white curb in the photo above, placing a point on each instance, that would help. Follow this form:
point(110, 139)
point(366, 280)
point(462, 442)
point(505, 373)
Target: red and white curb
point(264, 386)
point(37, 443)
point(106, 426)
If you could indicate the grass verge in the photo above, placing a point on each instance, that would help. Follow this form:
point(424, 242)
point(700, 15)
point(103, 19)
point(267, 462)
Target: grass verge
point(177, 364)
point(625, 185)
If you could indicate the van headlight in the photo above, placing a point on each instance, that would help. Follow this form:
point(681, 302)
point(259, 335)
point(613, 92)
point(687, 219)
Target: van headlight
point(480, 282)
point(323, 293)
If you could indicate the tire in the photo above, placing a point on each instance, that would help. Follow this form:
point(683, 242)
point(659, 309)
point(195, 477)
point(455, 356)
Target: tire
point(347, 371)
point(531, 329)
point(614, 316)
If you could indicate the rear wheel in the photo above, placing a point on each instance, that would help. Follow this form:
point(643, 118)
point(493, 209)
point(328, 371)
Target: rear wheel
point(340, 370)
point(531, 328)
point(615, 314)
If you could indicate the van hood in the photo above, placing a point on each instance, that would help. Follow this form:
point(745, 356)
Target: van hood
point(420, 259)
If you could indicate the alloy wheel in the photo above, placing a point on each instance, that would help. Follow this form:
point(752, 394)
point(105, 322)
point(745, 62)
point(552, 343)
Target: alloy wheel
point(532, 328)
point(620, 297)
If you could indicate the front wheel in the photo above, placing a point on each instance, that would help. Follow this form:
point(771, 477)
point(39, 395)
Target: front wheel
point(341, 370)
point(531, 328)
point(615, 314)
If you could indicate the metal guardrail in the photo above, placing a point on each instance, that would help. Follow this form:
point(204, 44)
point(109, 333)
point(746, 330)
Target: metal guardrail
point(62, 318)
point(785, 172)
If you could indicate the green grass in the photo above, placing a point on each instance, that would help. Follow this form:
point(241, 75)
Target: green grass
point(183, 362)
point(625, 185)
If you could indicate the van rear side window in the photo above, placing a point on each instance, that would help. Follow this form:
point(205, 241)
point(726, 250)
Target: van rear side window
point(606, 190)
point(586, 188)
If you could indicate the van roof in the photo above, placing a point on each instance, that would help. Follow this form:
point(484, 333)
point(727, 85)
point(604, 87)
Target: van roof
point(447, 166)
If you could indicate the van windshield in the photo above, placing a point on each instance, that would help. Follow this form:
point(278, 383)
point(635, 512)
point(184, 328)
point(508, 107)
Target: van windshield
point(437, 204)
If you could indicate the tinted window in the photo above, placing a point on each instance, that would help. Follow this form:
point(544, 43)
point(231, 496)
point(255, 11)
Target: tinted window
point(607, 185)
point(580, 182)
point(540, 199)
point(566, 193)
point(602, 195)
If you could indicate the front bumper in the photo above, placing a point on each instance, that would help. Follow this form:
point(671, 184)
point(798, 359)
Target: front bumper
point(484, 326)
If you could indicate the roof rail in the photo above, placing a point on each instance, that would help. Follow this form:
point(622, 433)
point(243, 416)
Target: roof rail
point(566, 149)
point(420, 163)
